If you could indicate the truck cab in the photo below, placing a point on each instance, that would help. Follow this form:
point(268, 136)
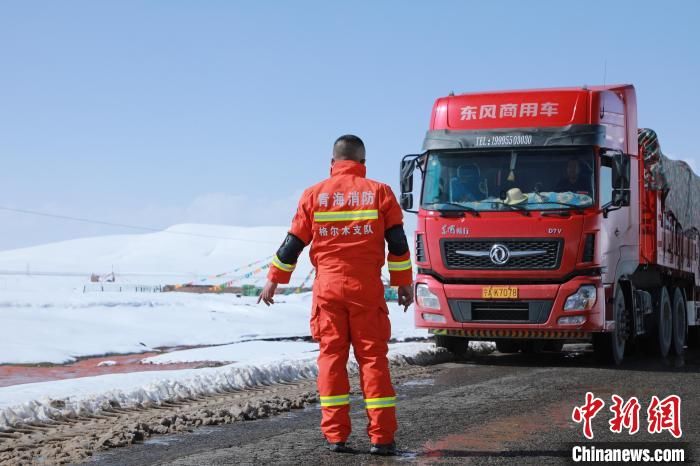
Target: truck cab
point(527, 216)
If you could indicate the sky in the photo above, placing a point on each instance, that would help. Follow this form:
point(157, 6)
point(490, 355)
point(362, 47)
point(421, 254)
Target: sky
point(165, 112)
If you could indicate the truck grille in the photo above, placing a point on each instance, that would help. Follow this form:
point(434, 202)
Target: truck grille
point(531, 312)
point(525, 254)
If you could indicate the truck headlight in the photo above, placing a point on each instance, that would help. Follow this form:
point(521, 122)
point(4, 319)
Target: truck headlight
point(425, 298)
point(430, 317)
point(571, 320)
point(582, 300)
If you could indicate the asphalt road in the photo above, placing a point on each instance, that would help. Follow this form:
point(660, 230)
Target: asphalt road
point(495, 409)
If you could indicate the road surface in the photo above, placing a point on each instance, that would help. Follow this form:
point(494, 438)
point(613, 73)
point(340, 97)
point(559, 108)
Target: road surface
point(492, 409)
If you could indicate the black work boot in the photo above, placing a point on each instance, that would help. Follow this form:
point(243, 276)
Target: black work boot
point(383, 449)
point(338, 447)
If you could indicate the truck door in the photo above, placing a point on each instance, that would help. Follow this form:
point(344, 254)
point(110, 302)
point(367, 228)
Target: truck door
point(619, 233)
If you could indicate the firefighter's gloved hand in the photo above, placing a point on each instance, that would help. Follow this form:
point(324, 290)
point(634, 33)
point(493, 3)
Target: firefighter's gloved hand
point(267, 295)
point(405, 296)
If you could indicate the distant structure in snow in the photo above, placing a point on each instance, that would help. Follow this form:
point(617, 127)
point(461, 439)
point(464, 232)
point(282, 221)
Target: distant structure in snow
point(108, 278)
point(111, 287)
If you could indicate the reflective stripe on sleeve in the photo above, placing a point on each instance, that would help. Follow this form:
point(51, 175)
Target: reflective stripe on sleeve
point(346, 216)
point(398, 266)
point(375, 403)
point(281, 265)
point(336, 400)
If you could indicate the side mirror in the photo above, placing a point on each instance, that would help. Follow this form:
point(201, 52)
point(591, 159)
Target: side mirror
point(620, 164)
point(408, 166)
point(620, 171)
point(406, 201)
point(621, 197)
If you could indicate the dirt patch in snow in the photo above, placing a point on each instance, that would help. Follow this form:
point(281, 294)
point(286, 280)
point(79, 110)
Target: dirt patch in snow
point(15, 374)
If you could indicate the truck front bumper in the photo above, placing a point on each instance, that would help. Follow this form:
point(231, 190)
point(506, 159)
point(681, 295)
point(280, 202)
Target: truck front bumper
point(538, 312)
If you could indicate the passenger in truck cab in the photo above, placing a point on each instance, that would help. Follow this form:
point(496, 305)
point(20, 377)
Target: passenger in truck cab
point(467, 186)
point(575, 180)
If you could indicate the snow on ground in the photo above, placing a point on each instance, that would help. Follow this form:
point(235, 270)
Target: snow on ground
point(48, 318)
point(45, 401)
point(246, 352)
point(60, 329)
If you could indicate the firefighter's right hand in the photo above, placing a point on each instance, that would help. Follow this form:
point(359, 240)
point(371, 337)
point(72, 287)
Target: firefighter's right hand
point(405, 296)
point(267, 295)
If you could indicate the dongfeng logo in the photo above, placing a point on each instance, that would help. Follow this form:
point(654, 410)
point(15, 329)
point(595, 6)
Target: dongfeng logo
point(499, 254)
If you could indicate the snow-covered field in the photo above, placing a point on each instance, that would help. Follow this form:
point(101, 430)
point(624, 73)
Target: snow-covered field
point(58, 329)
point(47, 318)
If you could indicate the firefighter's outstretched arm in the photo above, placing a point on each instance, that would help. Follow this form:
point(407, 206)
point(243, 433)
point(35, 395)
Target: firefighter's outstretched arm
point(399, 256)
point(285, 259)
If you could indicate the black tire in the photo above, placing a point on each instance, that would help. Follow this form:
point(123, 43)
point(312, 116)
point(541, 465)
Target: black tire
point(554, 346)
point(458, 346)
point(680, 327)
point(623, 325)
point(664, 324)
point(694, 337)
point(532, 346)
point(610, 347)
point(507, 346)
point(602, 350)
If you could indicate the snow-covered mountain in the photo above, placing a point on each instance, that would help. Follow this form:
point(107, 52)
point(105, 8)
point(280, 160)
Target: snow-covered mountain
point(188, 251)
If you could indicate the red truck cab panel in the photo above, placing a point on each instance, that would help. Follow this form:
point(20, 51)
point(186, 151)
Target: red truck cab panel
point(589, 251)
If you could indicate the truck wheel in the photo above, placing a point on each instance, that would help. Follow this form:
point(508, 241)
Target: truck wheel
point(694, 337)
point(610, 347)
point(680, 329)
point(456, 345)
point(533, 346)
point(554, 346)
point(622, 332)
point(664, 324)
point(507, 346)
point(602, 348)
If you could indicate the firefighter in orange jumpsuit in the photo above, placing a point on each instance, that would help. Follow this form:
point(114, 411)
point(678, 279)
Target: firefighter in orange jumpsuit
point(347, 219)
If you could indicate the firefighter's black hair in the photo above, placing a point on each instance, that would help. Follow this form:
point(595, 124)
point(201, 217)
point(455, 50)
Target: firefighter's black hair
point(349, 147)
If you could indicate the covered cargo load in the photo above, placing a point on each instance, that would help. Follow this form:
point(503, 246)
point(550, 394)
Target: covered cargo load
point(679, 185)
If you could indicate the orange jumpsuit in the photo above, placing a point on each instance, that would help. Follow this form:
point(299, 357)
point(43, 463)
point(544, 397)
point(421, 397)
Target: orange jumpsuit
point(345, 218)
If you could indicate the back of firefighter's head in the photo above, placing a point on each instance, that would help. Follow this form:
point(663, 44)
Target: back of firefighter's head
point(349, 147)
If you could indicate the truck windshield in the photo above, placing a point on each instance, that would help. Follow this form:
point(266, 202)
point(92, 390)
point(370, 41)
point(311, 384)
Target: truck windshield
point(532, 179)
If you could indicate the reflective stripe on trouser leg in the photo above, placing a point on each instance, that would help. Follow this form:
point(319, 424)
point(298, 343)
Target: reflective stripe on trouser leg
point(333, 384)
point(370, 331)
point(378, 403)
point(337, 400)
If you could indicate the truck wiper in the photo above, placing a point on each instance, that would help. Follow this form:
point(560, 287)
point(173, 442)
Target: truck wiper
point(463, 208)
point(574, 207)
point(519, 208)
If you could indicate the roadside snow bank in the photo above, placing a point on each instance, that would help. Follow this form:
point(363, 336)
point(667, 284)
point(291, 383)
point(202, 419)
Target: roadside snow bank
point(48, 401)
point(245, 352)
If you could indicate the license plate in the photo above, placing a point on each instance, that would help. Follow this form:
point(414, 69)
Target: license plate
point(499, 292)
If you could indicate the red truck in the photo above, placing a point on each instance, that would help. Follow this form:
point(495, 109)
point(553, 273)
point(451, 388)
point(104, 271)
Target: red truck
point(546, 217)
